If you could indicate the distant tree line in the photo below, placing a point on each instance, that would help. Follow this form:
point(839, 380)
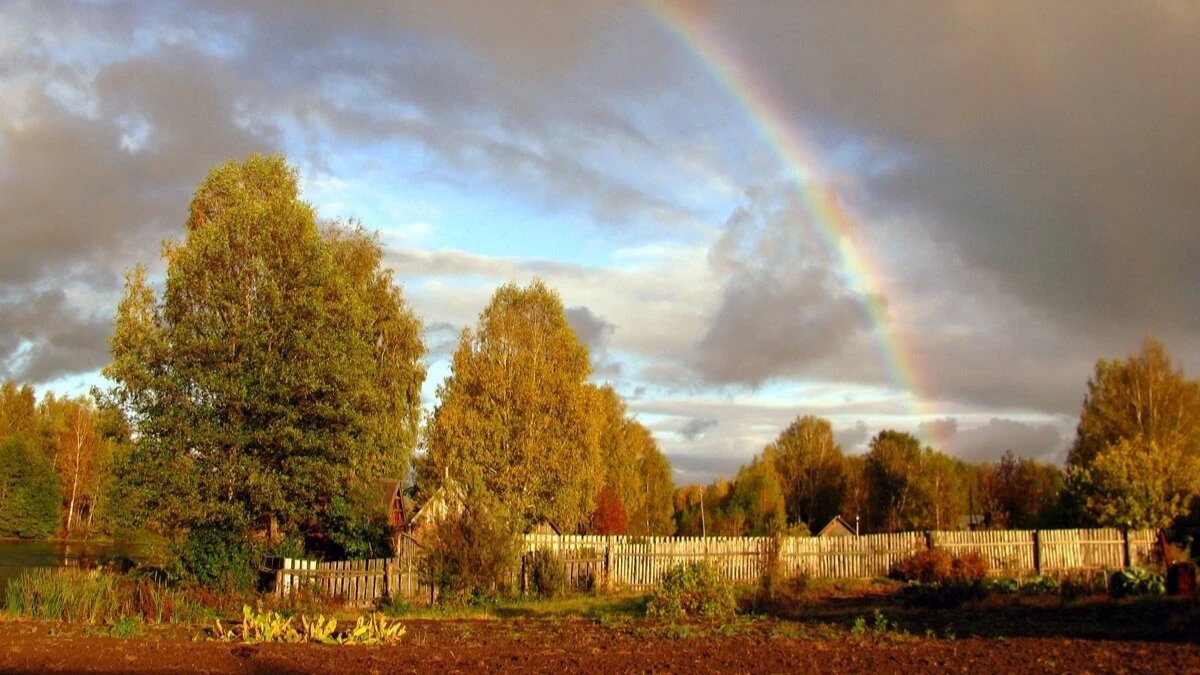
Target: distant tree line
point(1135, 463)
point(57, 459)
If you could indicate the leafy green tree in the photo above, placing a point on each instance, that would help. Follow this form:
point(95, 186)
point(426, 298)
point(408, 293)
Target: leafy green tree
point(892, 473)
point(1142, 396)
point(655, 515)
point(856, 496)
point(621, 446)
point(30, 497)
point(943, 499)
point(280, 368)
point(634, 467)
point(516, 416)
point(758, 496)
point(810, 467)
point(18, 411)
point(70, 436)
point(1021, 494)
point(1136, 484)
point(1137, 446)
point(910, 487)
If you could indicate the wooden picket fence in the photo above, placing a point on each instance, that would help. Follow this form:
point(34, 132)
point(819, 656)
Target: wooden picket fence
point(640, 562)
point(356, 582)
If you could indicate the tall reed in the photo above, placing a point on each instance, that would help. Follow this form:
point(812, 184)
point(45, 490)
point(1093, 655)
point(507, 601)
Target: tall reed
point(99, 597)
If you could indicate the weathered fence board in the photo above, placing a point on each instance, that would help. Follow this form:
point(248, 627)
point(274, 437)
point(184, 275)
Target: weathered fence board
point(870, 555)
point(1008, 552)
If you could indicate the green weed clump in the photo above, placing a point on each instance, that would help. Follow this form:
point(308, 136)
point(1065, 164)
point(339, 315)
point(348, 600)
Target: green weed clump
point(269, 626)
point(1136, 581)
point(696, 589)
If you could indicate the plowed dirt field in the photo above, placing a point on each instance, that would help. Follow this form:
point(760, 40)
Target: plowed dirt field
point(576, 645)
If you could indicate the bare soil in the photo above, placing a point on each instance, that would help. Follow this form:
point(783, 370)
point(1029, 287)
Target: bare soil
point(582, 645)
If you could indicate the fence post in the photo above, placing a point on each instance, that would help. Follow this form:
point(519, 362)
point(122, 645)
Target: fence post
point(608, 555)
point(1037, 552)
point(929, 539)
point(1125, 549)
point(387, 578)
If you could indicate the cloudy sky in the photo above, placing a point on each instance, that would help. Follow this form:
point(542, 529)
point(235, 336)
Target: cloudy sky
point(933, 217)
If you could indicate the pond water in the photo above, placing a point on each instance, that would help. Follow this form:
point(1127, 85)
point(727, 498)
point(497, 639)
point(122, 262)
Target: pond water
point(17, 556)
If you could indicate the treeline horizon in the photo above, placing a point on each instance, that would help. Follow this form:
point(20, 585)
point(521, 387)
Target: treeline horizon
point(277, 374)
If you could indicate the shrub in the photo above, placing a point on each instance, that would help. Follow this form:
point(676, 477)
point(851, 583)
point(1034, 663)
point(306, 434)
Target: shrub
point(1074, 585)
point(926, 567)
point(1136, 581)
point(970, 566)
point(938, 566)
point(938, 579)
point(696, 589)
point(267, 626)
point(778, 591)
point(1007, 586)
point(547, 574)
point(218, 558)
point(470, 556)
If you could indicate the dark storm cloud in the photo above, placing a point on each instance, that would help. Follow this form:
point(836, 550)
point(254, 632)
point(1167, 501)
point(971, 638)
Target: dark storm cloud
point(441, 339)
point(782, 306)
point(97, 167)
point(852, 438)
point(593, 330)
point(695, 427)
point(1050, 143)
point(43, 336)
point(1045, 442)
point(704, 468)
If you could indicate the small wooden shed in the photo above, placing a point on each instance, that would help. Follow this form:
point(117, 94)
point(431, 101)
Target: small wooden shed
point(837, 527)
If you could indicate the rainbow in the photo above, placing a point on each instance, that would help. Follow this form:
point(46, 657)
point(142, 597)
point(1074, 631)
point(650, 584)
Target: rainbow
point(836, 225)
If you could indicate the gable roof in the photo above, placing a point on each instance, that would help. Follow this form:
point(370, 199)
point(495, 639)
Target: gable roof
point(837, 527)
point(448, 496)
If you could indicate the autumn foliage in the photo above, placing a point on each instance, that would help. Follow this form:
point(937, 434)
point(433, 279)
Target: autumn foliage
point(609, 517)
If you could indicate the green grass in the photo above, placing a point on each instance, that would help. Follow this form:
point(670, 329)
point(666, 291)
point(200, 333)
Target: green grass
point(581, 606)
point(585, 606)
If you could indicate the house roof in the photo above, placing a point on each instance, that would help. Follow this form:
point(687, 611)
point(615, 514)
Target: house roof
point(837, 526)
point(439, 502)
point(387, 489)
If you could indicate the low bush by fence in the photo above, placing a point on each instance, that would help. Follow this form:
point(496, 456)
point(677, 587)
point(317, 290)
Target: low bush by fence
point(640, 562)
